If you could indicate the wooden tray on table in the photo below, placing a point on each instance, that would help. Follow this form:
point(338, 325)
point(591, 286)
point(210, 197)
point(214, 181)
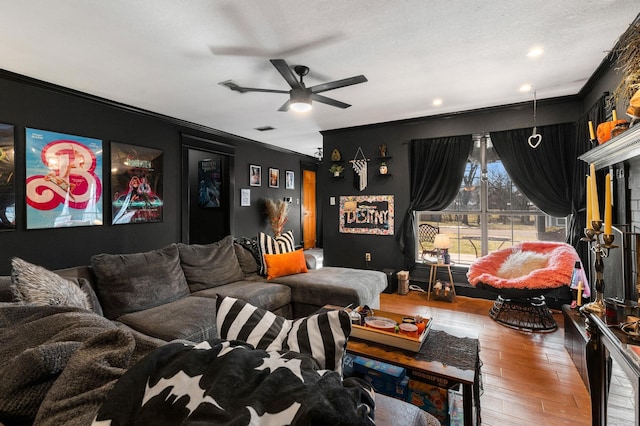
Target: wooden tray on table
point(391, 338)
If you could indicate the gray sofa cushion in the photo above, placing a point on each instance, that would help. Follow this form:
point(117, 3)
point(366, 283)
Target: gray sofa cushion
point(211, 265)
point(190, 318)
point(6, 293)
point(264, 295)
point(336, 286)
point(129, 283)
point(247, 261)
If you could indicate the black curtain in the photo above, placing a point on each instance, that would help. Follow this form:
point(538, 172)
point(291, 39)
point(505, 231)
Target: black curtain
point(436, 171)
point(596, 114)
point(551, 175)
point(544, 174)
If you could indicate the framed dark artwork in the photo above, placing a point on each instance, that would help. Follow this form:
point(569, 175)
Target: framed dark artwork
point(255, 175)
point(63, 180)
point(289, 180)
point(274, 178)
point(7, 178)
point(367, 214)
point(136, 184)
point(209, 183)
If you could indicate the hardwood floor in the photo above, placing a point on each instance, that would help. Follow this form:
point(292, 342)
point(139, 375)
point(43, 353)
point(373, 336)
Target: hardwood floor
point(528, 378)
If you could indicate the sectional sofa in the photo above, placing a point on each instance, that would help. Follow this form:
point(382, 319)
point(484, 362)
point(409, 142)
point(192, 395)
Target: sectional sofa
point(170, 294)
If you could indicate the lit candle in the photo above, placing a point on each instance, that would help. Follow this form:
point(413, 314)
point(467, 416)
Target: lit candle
point(595, 204)
point(614, 115)
point(592, 135)
point(588, 191)
point(607, 204)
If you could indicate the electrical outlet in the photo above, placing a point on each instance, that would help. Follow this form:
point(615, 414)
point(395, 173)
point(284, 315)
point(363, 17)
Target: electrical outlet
point(367, 257)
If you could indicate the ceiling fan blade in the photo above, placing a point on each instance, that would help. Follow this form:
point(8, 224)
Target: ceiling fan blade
point(338, 83)
point(237, 88)
point(286, 73)
point(329, 101)
point(285, 106)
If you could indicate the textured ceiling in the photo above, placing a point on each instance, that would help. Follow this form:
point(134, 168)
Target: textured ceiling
point(168, 56)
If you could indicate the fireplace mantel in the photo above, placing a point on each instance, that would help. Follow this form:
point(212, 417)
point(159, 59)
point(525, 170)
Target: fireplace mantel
point(621, 148)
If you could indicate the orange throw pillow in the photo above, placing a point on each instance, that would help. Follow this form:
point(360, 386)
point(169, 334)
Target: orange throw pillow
point(279, 265)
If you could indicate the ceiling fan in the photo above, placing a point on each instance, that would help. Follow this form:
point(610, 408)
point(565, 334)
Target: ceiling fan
point(300, 96)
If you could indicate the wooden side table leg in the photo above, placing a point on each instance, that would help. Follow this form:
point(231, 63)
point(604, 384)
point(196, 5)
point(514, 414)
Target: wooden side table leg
point(453, 287)
point(432, 269)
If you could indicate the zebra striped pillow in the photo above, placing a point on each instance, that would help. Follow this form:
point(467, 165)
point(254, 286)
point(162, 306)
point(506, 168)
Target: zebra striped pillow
point(323, 336)
point(239, 320)
point(284, 243)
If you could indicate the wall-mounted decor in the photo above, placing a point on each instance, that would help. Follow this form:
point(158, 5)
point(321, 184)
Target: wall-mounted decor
point(359, 164)
point(245, 197)
point(136, 184)
point(366, 214)
point(290, 178)
point(7, 178)
point(209, 183)
point(255, 175)
point(63, 180)
point(274, 178)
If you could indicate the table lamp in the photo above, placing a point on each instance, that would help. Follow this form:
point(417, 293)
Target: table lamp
point(442, 243)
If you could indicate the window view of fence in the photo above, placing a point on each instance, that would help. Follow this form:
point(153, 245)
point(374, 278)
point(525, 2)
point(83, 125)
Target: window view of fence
point(489, 213)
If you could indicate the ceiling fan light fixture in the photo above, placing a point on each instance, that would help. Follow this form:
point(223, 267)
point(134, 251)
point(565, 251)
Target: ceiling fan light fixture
point(300, 100)
point(301, 106)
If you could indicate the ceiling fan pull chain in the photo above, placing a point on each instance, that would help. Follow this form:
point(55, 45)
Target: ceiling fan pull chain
point(536, 138)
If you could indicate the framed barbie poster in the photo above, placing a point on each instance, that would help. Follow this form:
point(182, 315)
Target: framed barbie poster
point(136, 184)
point(63, 180)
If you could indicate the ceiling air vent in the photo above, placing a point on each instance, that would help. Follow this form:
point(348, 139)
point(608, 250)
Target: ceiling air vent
point(265, 128)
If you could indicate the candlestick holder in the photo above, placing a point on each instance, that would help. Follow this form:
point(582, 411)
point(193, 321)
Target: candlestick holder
point(593, 237)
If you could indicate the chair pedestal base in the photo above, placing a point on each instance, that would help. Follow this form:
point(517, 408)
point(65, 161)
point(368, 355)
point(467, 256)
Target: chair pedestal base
point(530, 314)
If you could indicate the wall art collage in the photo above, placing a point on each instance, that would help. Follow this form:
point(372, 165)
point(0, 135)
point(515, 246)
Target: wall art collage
point(64, 183)
point(273, 181)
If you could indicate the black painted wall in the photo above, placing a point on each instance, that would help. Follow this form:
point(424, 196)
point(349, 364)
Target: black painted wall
point(349, 249)
point(30, 103)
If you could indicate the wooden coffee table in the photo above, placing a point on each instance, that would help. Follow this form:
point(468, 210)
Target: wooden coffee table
point(434, 372)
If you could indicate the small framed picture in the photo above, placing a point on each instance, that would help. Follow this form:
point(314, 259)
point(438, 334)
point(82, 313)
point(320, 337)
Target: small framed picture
point(245, 197)
point(274, 178)
point(289, 179)
point(255, 175)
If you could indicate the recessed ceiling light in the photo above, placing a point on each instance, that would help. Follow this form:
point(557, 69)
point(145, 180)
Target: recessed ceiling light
point(526, 88)
point(534, 52)
point(437, 102)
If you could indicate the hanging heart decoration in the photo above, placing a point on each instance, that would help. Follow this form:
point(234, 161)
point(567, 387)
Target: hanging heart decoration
point(535, 139)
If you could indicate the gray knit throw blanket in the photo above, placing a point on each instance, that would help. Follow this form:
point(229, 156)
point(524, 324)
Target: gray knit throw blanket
point(58, 363)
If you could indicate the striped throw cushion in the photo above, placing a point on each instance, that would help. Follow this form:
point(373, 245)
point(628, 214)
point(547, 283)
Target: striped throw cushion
point(239, 320)
point(323, 336)
point(283, 243)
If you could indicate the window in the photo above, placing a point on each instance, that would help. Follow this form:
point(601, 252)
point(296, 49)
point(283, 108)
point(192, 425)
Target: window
point(489, 213)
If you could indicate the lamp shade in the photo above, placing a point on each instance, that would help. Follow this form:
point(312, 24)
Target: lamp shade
point(442, 241)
